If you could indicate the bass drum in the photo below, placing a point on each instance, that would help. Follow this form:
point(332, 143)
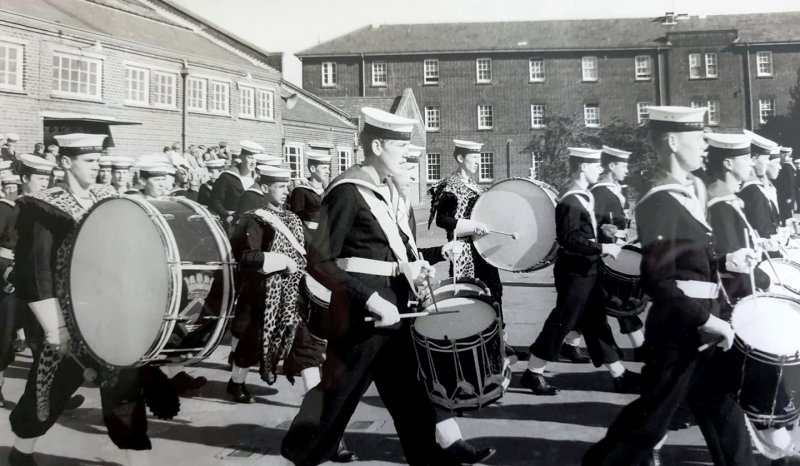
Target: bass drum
point(147, 281)
point(522, 207)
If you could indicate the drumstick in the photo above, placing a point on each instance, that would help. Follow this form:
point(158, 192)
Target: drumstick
point(433, 295)
point(753, 269)
point(414, 314)
point(708, 345)
point(514, 235)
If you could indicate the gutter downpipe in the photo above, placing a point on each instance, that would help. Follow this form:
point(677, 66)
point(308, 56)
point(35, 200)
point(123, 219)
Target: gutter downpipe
point(508, 158)
point(184, 74)
point(748, 90)
point(363, 76)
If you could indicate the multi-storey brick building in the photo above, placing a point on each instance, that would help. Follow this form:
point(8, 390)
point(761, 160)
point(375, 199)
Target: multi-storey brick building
point(498, 82)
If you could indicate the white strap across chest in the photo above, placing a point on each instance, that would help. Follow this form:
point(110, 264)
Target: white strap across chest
point(587, 201)
point(275, 222)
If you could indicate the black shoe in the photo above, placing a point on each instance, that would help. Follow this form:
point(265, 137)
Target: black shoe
point(17, 458)
point(654, 460)
point(75, 402)
point(462, 452)
point(574, 354)
point(344, 454)
point(238, 392)
point(628, 382)
point(184, 381)
point(538, 384)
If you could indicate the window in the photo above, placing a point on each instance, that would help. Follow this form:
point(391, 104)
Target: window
point(695, 70)
point(433, 162)
point(220, 97)
point(644, 68)
point(537, 116)
point(328, 74)
point(766, 110)
point(379, 73)
point(486, 169)
point(591, 115)
point(432, 118)
point(485, 118)
point(138, 85)
point(764, 62)
point(164, 90)
point(431, 71)
point(536, 70)
point(642, 114)
point(293, 154)
point(265, 104)
point(196, 94)
point(344, 159)
point(711, 65)
point(75, 76)
point(589, 68)
point(247, 104)
point(11, 66)
point(483, 67)
point(713, 112)
point(536, 164)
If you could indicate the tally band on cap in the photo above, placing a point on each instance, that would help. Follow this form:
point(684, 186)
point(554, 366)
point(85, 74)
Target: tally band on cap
point(245, 153)
point(674, 126)
point(152, 173)
point(605, 157)
point(787, 150)
point(465, 151)
point(758, 150)
point(580, 159)
point(76, 151)
point(720, 152)
point(773, 156)
point(26, 170)
point(266, 179)
point(386, 133)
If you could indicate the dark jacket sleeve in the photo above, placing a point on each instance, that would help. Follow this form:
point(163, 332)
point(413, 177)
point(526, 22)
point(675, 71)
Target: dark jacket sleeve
point(35, 253)
point(571, 233)
point(757, 211)
point(786, 195)
point(218, 193)
point(297, 203)
point(446, 212)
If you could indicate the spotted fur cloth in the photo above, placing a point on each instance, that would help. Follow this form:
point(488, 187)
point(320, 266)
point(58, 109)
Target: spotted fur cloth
point(281, 292)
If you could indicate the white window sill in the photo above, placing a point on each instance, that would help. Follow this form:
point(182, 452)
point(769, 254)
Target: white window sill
point(593, 125)
point(134, 103)
point(13, 90)
point(219, 113)
point(85, 98)
point(538, 126)
point(644, 78)
point(165, 107)
point(432, 130)
point(536, 81)
point(197, 110)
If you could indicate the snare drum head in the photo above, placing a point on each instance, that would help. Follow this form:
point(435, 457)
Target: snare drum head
point(519, 206)
point(788, 272)
point(473, 316)
point(768, 323)
point(119, 281)
point(626, 263)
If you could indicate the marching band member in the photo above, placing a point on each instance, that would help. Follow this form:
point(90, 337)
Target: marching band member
point(231, 184)
point(214, 168)
point(104, 174)
point(45, 219)
point(760, 199)
point(679, 273)
point(265, 241)
point(153, 174)
point(307, 195)
point(253, 197)
point(579, 302)
point(369, 261)
point(784, 184)
point(120, 173)
point(610, 206)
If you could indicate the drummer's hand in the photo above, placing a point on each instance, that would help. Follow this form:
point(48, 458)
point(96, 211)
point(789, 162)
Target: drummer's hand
point(611, 250)
point(385, 312)
point(277, 262)
point(451, 250)
point(609, 230)
point(481, 229)
point(290, 266)
point(719, 327)
point(741, 261)
point(422, 271)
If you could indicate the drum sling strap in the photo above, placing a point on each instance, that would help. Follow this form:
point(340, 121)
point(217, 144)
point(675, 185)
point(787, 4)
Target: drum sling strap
point(587, 201)
point(281, 228)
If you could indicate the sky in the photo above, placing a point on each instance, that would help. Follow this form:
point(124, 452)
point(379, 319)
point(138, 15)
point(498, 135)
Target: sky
point(290, 26)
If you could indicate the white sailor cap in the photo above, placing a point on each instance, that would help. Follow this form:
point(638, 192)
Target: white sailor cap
point(775, 153)
point(250, 147)
point(106, 161)
point(35, 165)
point(786, 150)
point(76, 144)
point(12, 137)
point(271, 160)
point(5, 164)
point(218, 163)
point(611, 154)
point(584, 154)
point(466, 147)
point(727, 144)
point(760, 144)
point(387, 125)
point(148, 170)
point(273, 173)
point(316, 156)
point(10, 179)
point(121, 163)
point(675, 118)
point(58, 174)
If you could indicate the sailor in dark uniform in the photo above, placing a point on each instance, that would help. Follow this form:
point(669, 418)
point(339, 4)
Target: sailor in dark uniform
point(306, 196)
point(153, 174)
point(579, 304)
point(232, 183)
point(796, 162)
point(610, 206)
point(120, 173)
point(214, 168)
point(104, 174)
point(253, 197)
point(758, 194)
point(679, 272)
point(370, 263)
point(784, 184)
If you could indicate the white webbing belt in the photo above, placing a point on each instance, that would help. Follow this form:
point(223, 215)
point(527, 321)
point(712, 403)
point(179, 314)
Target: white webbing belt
point(368, 266)
point(698, 289)
point(6, 253)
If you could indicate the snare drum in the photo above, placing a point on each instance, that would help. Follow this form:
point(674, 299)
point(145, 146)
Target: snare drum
point(784, 276)
point(319, 298)
point(461, 355)
point(766, 356)
point(147, 281)
point(622, 289)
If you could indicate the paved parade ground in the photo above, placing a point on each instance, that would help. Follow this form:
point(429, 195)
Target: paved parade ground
point(212, 430)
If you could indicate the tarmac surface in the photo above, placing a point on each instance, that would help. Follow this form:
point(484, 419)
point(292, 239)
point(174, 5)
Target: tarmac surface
point(212, 430)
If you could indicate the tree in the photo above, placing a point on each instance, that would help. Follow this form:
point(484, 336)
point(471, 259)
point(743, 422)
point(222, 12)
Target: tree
point(783, 128)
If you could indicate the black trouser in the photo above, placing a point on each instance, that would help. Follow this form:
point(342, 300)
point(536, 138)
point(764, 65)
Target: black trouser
point(123, 405)
point(579, 306)
point(385, 357)
point(10, 321)
point(674, 371)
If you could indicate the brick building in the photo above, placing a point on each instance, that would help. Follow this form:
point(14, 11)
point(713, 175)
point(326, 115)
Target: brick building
point(497, 82)
point(85, 65)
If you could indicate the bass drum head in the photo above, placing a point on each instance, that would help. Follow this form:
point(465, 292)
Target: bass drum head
point(119, 281)
point(519, 206)
point(769, 324)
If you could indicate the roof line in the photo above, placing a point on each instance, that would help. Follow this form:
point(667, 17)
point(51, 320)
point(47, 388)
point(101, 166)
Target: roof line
point(317, 102)
point(484, 51)
point(337, 37)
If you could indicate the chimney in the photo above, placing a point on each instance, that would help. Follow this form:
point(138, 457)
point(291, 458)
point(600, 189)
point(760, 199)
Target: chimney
point(669, 18)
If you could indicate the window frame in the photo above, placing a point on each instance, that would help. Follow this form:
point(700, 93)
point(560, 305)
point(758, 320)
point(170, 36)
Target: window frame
point(710, 112)
point(537, 160)
point(189, 90)
point(584, 69)
point(429, 165)
point(531, 77)
point(488, 69)
point(213, 94)
point(287, 147)
point(646, 106)
point(586, 107)
point(542, 116)
point(157, 94)
point(711, 63)
point(483, 164)
point(431, 109)
point(269, 104)
point(490, 117)
point(248, 111)
point(769, 55)
point(348, 153)
point(773, 105)
point(145, 102)
point(698, 66)
point(649, 65)
point(385, 81)
point(56, 92)
point(331, 81)
point(19, 72)
point(429, 80)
